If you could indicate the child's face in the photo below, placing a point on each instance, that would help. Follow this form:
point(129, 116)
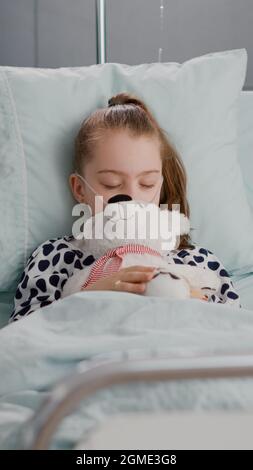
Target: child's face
point(121, 164)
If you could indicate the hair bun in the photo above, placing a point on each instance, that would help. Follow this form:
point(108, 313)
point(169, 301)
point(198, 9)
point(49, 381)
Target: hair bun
point(124, 98)
point(112, 102)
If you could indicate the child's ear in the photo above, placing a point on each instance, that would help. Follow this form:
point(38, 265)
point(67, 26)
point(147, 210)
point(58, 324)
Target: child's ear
point(77, 188)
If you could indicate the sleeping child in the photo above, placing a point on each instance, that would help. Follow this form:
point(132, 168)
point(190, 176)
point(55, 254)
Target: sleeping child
point(118, 149)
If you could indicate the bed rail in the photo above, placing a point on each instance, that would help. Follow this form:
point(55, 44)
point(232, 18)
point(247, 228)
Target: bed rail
point(68, 393)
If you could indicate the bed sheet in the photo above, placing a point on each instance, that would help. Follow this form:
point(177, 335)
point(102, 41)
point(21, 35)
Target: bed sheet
point(244, 286)
point(100, 326)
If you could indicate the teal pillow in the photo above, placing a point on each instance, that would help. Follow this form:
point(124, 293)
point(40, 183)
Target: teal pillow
point(245, 141)
point(6, 307)
point(195, 102)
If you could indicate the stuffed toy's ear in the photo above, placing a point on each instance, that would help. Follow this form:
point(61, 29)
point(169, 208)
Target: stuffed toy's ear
point(184, 224)
point(172, 225)
point(175, 220)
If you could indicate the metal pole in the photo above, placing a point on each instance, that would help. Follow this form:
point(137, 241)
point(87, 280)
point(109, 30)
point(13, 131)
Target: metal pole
point(101, 31)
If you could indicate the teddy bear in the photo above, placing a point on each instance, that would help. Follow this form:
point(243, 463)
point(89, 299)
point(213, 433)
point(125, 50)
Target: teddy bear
point(130, 232)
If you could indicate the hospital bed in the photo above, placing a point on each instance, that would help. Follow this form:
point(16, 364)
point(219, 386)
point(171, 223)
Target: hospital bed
point(160, 430)
point(218, 427)
point(174, 430)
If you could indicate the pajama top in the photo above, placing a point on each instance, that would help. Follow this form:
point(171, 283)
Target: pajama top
point(54, 261)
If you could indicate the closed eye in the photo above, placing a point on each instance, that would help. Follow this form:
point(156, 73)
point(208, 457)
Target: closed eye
point(111, 187)
point(148, 185)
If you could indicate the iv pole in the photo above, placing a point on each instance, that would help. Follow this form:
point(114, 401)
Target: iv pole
point(101, 31)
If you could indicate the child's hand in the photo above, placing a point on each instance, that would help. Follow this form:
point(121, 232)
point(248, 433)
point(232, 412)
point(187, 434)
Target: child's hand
point(132, 279)
point(197, 294)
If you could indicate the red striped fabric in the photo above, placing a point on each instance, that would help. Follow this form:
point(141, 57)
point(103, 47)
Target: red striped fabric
point(111, 261)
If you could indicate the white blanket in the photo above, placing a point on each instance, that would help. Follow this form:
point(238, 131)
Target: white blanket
point(47, 345)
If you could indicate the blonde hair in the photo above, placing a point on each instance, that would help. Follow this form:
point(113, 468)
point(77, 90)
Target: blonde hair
point(126, 111)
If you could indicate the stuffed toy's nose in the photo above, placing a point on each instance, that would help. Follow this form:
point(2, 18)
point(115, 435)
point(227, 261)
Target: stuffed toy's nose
point(119, 198)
